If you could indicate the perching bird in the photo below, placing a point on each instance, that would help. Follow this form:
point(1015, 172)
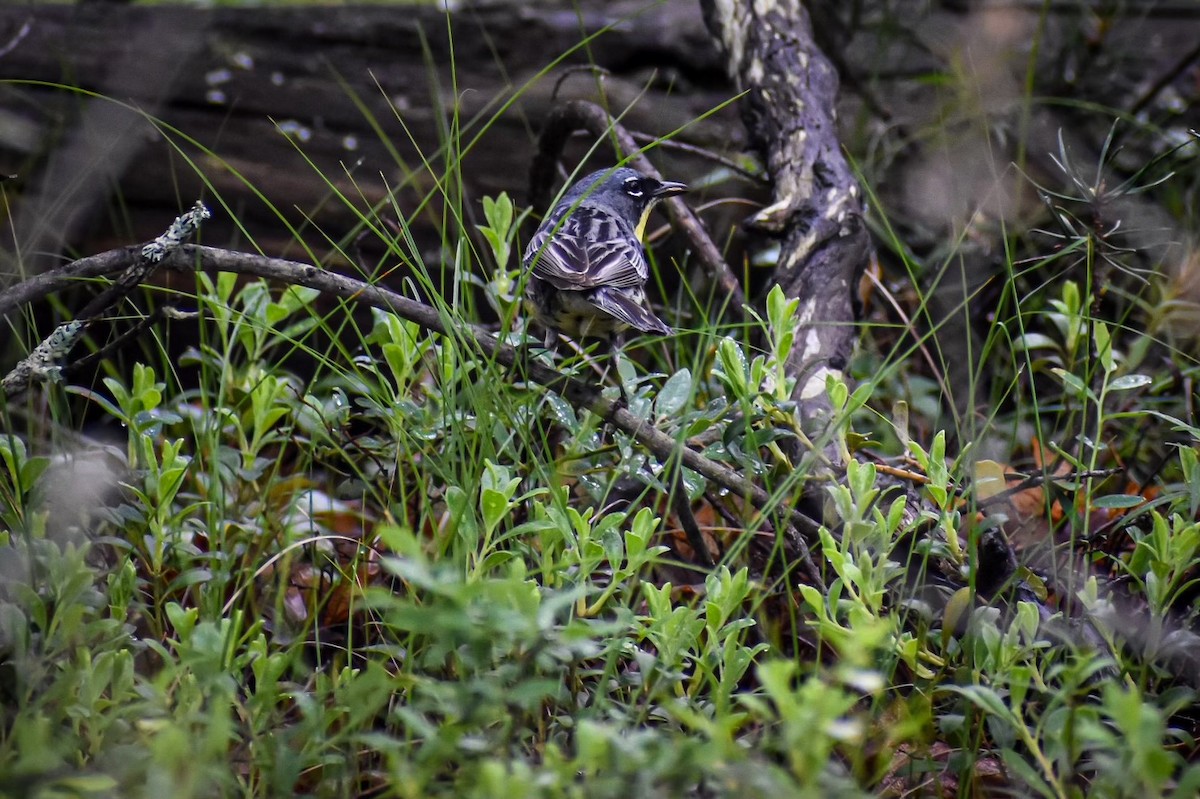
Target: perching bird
point(587, 267)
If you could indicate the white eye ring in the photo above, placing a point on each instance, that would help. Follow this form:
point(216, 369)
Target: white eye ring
point(633, 187)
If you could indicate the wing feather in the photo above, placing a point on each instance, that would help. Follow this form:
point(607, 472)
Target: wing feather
point(588, 250)
point(629, 307)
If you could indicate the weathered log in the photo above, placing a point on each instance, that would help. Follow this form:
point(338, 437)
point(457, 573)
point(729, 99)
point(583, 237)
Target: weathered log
point(280, 109)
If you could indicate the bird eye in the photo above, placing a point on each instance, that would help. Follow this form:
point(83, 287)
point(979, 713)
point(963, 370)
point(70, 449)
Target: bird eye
point(633, 187)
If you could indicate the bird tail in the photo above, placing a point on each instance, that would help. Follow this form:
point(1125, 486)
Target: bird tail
point(630, 309)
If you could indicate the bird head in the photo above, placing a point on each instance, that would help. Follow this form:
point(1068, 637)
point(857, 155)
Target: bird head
point(624, 191)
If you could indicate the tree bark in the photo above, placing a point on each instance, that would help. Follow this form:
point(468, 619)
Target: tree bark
point(790, 113)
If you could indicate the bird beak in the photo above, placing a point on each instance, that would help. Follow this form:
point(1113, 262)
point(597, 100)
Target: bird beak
point(668, 188)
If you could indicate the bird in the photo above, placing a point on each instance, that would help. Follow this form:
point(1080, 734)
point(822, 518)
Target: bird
point(587, 268)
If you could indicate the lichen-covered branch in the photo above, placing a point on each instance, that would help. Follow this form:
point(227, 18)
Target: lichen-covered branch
point(43, 363)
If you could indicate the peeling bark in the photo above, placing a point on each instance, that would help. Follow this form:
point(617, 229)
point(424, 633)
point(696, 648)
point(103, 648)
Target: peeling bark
point(789, 111)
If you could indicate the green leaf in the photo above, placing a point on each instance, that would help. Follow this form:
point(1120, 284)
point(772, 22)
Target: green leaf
point(1073, 384)
point(1128, 382)
point(985, 699)
point(184, 621)
point(956, 609)
point(462, 519)
point(498, 212)
point(1119, 501)
point(296, 297)
point(1104, 352)
point(86, 783)
point(837, 391)
point(779, 308)
point(1034, 341)
point(733, 367)
point(1025, 772)
point(674, 394)
point(497, 243)
point(563, 412)
point(494, 507)
point(495, 560)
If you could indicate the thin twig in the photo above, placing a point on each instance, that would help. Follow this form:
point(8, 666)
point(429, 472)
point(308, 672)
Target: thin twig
point(154, 317)
point(687, 520)
point(21, 33)
point(757, 178)
point(1173, 72)
point(1035, 480)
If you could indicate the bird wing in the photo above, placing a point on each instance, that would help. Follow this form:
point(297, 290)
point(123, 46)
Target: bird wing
point(629, 308)
point(590, 249)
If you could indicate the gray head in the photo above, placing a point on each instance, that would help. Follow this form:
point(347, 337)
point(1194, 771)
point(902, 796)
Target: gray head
point(624, 191)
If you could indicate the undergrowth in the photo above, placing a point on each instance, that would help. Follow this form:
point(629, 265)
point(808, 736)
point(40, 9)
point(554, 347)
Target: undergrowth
point(329, 555)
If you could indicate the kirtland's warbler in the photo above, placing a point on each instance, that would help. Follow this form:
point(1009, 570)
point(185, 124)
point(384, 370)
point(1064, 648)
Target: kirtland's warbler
point(587, 267)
